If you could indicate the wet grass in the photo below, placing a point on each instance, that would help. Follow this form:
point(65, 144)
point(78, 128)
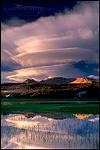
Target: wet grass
point(51, 108)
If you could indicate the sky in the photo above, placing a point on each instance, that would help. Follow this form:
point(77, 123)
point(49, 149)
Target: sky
point(49, 39)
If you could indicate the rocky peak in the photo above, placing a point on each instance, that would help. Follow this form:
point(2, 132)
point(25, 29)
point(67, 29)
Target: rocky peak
point(81, 80)
point(29, 81)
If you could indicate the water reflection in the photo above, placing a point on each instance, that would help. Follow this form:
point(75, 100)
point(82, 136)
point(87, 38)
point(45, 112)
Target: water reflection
point(46, 132)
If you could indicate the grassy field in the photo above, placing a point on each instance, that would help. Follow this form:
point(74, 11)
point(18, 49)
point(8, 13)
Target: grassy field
point(51, 108)
point(39, 100)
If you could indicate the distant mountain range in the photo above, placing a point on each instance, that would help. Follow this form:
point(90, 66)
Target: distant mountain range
point(58, 80)
point(64, 80)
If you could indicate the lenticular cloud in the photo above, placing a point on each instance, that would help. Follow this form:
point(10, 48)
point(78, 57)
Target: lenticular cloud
point(63, 38)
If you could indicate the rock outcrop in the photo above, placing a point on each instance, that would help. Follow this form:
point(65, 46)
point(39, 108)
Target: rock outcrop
point(80, 80)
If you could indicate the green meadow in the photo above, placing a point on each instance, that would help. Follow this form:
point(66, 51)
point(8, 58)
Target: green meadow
point(40, 100)
point(51, 108)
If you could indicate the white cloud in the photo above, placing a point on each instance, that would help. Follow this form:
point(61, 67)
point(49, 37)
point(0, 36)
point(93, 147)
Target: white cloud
point(85, 33)
point(64, 38)
point(39, 73)
point(54, 56)
point(93, 76)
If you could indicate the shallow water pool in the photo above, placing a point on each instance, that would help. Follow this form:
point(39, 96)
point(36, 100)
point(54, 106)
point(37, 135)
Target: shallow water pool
point(61, 131)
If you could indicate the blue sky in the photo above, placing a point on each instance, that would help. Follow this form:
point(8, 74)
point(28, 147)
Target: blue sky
point(64, 42)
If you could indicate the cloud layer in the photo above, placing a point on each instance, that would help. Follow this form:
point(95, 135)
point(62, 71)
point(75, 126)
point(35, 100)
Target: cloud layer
point(51, 42)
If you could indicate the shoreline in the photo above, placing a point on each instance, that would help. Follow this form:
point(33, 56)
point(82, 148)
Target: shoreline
point(51, 102)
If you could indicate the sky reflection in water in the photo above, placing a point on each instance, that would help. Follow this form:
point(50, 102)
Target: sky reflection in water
point(43, 132)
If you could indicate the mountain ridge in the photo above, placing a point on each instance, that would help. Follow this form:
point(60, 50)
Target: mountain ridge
point(58, 80)
point(78, 80)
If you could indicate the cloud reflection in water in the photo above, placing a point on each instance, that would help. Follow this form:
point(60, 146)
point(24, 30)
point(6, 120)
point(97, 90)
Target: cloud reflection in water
point(41, 132)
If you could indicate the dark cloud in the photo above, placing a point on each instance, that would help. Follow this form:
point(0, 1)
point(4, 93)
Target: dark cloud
point(10, 66)
point(40, 9)
point(87, 68)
